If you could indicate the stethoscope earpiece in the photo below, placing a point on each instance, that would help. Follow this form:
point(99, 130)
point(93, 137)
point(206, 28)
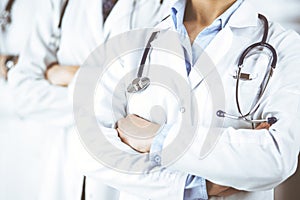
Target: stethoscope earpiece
point(269, 120)
point(272, 120)
point(138, 84)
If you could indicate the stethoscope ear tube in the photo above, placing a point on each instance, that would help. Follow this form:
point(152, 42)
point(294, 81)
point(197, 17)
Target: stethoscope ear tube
point(269, 120)
point(259, 44)
point(145, 54)
point(63, 10)
point(5, 15)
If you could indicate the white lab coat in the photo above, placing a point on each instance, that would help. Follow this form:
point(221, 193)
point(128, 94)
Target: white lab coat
point(36, 99)
point(246, 159)
point(20, 143)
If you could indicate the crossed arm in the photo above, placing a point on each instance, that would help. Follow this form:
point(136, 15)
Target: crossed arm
point(138, 133)
point(60, 75)
point(128, 129)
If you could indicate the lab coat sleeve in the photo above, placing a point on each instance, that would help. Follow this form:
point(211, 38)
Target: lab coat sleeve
point(162, 184)
point(35, 98)
point(258, 159)
point(154, 184)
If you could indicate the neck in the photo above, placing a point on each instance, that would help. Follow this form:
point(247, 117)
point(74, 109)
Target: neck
point(204, 12)
point(201, 13)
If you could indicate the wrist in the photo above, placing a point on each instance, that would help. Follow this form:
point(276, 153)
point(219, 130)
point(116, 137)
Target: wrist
point(53, 64)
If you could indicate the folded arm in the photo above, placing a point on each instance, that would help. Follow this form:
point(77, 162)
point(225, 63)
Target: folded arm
point(36, 97)
point(258, 159)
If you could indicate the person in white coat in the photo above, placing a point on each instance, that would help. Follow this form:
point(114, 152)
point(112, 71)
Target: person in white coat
point(18, 144)
point(65, 34)
point(241, 153)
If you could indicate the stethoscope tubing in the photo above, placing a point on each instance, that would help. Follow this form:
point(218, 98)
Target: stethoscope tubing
point(263, 43)
point(6, 14)
point(246, 52)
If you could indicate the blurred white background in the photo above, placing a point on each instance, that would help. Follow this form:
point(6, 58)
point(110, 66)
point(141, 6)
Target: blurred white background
point(286, 12)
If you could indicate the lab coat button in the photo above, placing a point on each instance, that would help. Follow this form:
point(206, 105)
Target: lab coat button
point(157, 159)
point(182, 109)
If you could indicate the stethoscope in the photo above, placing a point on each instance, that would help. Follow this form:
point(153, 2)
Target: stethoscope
point(140, 83)
point(5, 15)
point(240, 75)
point(56, 35)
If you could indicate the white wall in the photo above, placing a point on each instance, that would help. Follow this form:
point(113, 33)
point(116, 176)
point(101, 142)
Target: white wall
point(287, 12)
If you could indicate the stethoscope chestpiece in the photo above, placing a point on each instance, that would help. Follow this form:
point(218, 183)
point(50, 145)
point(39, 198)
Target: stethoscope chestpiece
point(138, 84)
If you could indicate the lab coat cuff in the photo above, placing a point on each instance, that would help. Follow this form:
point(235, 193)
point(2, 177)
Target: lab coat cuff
point(177, 192)
point(157, 145)
point(195, 188)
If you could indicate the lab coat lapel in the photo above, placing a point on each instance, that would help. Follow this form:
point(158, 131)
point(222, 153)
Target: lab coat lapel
point(119, 17)
point(245, 16)
point(168, 39)
point(94, 18)
point(209, 59)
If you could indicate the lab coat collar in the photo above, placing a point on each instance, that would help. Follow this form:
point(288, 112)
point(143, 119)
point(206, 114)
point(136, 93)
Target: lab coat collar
point(166, 24)
point(208, 61)
point(245, 16)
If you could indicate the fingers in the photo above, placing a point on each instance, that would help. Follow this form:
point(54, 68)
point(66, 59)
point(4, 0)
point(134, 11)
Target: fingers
point(214, 189)
point(60, 75)
point(141, 146)
point(3, 69)
point(219, 190)
point(138, 121)
point(263, 125)
point(138, 127)
point(122, 136)
point(137, 132)
point(228, 192)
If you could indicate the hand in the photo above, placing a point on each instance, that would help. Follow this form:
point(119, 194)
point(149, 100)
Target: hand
point(137, 132)
point(3, 69)
point(219, 190)
point(263, 125)
point(61, 75)
point(3, 64)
